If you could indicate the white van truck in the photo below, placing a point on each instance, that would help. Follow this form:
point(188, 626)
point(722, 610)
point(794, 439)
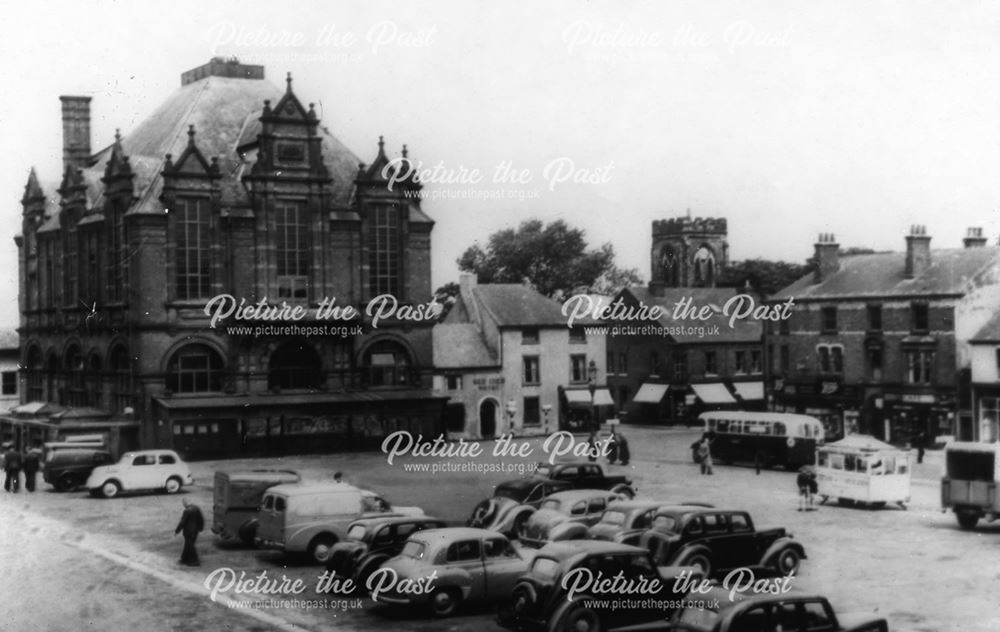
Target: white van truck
point(311, 518)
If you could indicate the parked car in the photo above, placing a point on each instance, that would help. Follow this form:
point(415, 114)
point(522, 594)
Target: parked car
point(237, 497)
point(716, 540)
point(541, 599)
point(143, 470)
point(70, 468)
point(512, 503)
point(969, 484)
point(585, 475)
point(312, 518)
point(372, 541)
point(714, 611)
point(625, 521)
point(566, 516)
point(468, 565)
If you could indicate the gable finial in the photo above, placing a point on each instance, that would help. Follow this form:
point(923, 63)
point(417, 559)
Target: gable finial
point(190, 134)
point(288, 81)
point(405, 152)
point(381, 142)
point(118, 135)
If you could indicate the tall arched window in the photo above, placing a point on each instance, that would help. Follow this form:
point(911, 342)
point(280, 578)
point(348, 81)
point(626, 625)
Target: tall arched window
point(121, 389)
point(294, 365)
point(704, 267)
point(33, 363)
point(386, 363)
point(384, 250)
point(74, 369)
point(195, 368)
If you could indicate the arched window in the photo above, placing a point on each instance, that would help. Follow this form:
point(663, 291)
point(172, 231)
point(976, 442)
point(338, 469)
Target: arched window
point(386, 363)
point(670, 267)
point(294, 365)
point(34, 365)
point(74, 370)
point(94, 386)
point(194, 369)
point(121, 397)
point(704, 267)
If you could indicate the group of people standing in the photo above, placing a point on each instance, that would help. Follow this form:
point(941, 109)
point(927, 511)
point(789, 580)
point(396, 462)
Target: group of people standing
point(14, 462)
point(618, 449)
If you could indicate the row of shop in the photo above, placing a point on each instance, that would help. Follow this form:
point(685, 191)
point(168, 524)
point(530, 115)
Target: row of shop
point(665, 403)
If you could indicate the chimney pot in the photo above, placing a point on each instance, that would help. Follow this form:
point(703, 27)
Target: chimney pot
point(974, 237)
point(827, 257)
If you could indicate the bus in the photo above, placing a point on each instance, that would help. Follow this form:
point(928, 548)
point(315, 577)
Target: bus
point(764, 439)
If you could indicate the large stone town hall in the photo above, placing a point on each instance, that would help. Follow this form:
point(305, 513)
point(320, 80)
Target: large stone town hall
point(232, 186)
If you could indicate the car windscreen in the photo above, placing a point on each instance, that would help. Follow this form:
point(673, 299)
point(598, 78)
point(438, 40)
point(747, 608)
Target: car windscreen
point(514, 493)
point(545, 568)
point(666, 523)
point(550, 504)
point(357, 532)
point(413, 549)
point(616, 518)
point(543, 470)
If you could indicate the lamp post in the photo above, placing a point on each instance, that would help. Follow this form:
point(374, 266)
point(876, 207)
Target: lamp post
point(546, 409)
point(511, 411)
point(592, 387)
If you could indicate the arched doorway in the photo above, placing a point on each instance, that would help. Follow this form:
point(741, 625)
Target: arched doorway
point(488, 418)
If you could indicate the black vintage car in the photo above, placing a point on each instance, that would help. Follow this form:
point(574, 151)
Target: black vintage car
point(69, 468)
point(585, 475)
point(372, 541)
point(626, 520)
point(554, 595)
point(716, 540)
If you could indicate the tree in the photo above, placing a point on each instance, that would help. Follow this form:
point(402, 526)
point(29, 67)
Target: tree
point(553, 258)
point(766, 277)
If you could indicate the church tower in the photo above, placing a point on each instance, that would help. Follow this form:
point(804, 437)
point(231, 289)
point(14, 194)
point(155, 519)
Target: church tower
point(687, 252)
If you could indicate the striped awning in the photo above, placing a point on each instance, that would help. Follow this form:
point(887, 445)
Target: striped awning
point(713, 393)
point(650, 393)
point(750, 391)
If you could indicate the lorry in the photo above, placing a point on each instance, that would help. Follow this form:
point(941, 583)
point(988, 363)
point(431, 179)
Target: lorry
point(969, 484)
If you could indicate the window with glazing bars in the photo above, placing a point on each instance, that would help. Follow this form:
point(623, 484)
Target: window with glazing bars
point(193, 249)
point(383, 249)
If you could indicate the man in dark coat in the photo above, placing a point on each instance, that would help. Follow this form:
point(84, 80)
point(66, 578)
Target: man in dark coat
point(32, 460)
point(12, 467)
point(191, 524)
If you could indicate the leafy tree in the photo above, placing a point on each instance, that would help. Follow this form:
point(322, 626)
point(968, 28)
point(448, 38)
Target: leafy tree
point(764, 276)
point(553, 258)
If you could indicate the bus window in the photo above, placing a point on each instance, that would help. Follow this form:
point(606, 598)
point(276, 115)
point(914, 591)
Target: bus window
point(889, 463)
point(837, 461)
point(806, 431)
point(849, 460)
point(861, 464)
point(748, 427)
point(823, 459)
point(723, 425)
point(902, 466)
point(767, 426)
point(779, 429)
point(710, 424)
point(736, 426)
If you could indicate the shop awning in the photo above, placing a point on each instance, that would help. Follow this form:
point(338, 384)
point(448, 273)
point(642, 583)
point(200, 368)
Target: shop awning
point(580, 398)
point(650, 393)
point(750, 391)
point(713, 393)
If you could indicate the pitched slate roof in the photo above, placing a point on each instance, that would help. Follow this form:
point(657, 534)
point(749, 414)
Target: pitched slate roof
point(224, 113)
point(461, 345)
point(9, 338)
point(951, 272)
point(743, 330)
point(514, 305)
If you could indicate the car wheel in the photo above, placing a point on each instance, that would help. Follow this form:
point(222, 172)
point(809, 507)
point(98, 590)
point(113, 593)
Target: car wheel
point(625, 491)
point(321, 547)
point(173, 485)
point(522, 600)
point(581, 620)
point(110, 489)
point(787, 561)
point(967, 519)
point(701, 561)
point(444, 602)
point(65, 483)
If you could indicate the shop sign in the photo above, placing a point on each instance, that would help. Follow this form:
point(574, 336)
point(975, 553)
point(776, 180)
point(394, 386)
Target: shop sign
point(488, 383)
point(918, 398)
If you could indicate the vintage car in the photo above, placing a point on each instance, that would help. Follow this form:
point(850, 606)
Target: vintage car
point(585, 475)
point(716, 540)
point(452, 566)
point(512, 503)
point(556, 594)
point(372, 541)
point(312, 518)
point(970, 481)
point(143, 470)
point(715, 611)
point(625, 521)
point(566, 516)
point(70, 468)
point(237, 497)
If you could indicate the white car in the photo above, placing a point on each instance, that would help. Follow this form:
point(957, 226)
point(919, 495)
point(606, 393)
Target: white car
point(143, 470)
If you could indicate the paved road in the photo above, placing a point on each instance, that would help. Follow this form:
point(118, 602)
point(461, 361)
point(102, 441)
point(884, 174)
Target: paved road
point(915, 566)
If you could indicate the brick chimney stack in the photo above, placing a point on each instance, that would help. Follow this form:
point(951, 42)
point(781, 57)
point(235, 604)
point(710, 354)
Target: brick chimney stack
point(918, 251)
point(827, 257)
point(76, 131)
point(974, 238)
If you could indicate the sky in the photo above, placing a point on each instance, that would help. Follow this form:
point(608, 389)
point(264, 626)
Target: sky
point(787, 118)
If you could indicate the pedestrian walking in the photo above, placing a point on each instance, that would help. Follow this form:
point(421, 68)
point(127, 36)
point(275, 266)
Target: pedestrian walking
point(12, 468)
point(705, 455)
point(612, 447)
point(624, 455)
point(808, 486)
point(191, 524)
point(31, 463)
point(592, 450)
point(921, 442)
